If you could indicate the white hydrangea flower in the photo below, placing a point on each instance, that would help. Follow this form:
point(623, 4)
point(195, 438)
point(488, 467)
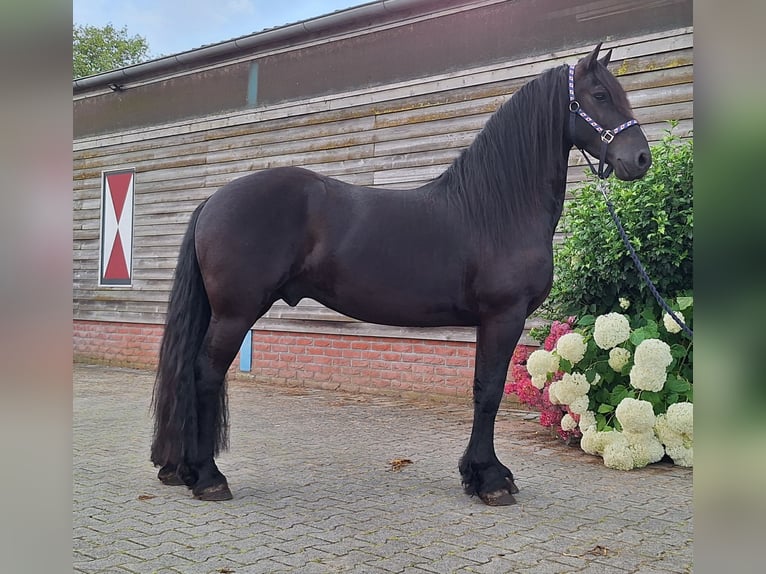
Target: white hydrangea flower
point(645, 448)
point(670, 324)
point(668, 435)
point(624, 450)
point(618, 358)
point(539, 381)
point(635, 415)
point(554, 362)
point(553, 390)
point(579, 405)
point(617, 453)
point(678, 446)
point(663, 431)
point(542, 362)
point(681, 419)
point(647, 378)
point(681, 455)
point(650, 363)
point(624, 303)
point(593, 441)
point(571, 386)
point(587, 421)
point(590, 441)
point(611, 330)
point(653, 352)
point(568, 423)
point(571, 347)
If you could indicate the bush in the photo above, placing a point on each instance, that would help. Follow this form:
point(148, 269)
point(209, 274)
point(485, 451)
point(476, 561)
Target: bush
point(623, 383)
point(592, 267)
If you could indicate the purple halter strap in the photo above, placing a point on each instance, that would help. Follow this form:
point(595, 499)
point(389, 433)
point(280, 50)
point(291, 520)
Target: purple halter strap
point(606, 135)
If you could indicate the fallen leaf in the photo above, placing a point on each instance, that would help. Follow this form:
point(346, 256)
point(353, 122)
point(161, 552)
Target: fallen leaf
point(399, 463)
point(225, 571)
point(599, 550)
point(146, 496)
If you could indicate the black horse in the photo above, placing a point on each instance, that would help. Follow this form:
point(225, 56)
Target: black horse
point(473, 247)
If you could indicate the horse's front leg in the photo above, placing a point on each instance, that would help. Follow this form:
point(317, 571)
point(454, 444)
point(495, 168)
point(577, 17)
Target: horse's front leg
point(481, 471)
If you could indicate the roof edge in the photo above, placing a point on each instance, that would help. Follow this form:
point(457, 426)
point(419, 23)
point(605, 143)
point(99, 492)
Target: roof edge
point(284, 33)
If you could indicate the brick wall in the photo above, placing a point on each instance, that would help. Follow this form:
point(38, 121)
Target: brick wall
point(364, 363)
point(123, 344)
point(353, 363)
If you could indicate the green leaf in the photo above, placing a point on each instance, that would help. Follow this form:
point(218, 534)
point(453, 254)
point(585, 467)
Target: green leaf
point(648, 314)
point(605, 408)
point(618, 393)
point(676, 385)
point(586, 321)
point(654, 398)
point(677, 351)
point(684, 302)
point(641, 334)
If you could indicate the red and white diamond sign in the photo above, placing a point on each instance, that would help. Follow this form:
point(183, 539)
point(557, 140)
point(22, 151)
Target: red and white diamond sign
point(116, 227)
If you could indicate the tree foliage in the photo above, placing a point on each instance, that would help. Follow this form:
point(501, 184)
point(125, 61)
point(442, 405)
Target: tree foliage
point(100, 49)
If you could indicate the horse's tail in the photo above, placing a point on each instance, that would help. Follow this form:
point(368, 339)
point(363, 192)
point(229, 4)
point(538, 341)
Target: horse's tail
point(175, 398)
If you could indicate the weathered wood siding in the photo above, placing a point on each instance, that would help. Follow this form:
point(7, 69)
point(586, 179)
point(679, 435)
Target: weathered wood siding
point(397, 135)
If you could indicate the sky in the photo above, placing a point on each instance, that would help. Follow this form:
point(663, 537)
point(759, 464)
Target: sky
point(173, 26)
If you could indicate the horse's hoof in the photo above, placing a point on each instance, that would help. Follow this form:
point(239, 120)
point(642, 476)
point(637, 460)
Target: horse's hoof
point(215, 492)
point(502, 496)
point(170, 479)
point(498, 498)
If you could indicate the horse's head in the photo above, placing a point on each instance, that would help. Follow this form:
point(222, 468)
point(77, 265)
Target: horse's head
point(601, 120)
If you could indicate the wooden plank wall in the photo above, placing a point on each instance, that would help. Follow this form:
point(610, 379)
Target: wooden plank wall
point(392, 136)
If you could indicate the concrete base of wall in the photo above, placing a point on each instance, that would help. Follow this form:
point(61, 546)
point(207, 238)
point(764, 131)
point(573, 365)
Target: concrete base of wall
point(366, 364)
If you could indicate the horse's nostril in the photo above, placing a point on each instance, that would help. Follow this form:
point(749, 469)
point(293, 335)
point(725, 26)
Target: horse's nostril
point(643, 160)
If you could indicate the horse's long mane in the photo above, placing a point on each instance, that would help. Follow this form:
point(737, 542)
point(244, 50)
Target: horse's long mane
point(500, 177)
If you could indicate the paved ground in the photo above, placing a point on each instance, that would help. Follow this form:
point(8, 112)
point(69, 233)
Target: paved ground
point(314, 492)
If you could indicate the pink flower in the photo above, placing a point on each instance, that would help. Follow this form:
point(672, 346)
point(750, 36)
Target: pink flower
point(520, 383)
point(551, 416)
point(558, 330)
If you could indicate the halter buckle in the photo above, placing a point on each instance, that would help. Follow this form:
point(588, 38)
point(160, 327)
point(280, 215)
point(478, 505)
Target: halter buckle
point(607, 136)
point(574, 106)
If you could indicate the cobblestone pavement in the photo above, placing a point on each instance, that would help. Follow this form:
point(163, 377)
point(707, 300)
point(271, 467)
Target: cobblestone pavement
point(314, 492)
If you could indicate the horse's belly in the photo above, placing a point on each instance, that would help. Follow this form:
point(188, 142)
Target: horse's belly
point(400, 315)
point(403, 316)
point(385, 305)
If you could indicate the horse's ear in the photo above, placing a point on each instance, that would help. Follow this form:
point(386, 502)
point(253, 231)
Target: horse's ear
point(606, 59)
point(589, 62)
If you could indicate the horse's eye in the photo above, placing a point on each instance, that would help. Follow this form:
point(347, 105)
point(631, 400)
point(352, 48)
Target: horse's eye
point(600, 96)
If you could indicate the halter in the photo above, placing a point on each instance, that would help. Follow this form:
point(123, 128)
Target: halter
point(606, 135)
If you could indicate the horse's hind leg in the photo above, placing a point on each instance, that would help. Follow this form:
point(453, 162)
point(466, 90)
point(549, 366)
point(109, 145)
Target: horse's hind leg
point(222, 341)
point(168, 475)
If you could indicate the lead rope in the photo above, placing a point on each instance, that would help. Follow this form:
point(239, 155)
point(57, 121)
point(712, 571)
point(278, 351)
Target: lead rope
point(602, 187)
